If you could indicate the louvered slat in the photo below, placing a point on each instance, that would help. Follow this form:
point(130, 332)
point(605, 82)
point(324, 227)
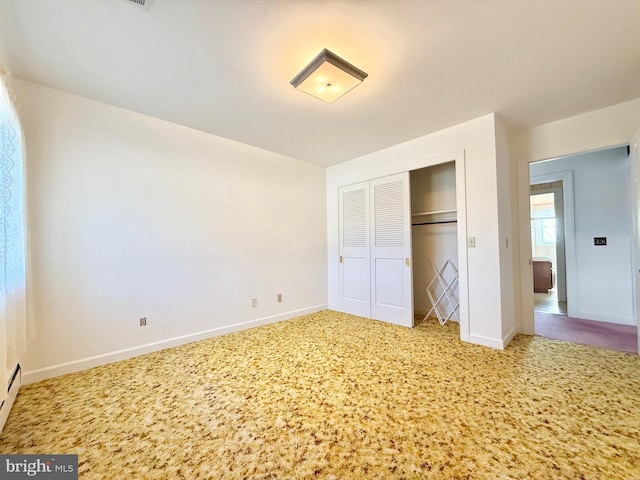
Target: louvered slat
point(388, 212)
point(354, 226)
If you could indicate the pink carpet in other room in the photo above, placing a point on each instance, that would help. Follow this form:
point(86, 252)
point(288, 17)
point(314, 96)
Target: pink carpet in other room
point(611, 336)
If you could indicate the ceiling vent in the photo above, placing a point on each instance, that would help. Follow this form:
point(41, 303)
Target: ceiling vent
point(145, 4)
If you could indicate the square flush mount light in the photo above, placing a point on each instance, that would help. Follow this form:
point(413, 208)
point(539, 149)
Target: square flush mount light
point(328, 77)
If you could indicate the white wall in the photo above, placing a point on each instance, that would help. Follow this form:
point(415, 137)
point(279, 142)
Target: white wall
point(432, 189)
point(133, 217)
point(601, 209)
point(607, 127)
point(598, 129)
point(477, 139)
point(4, 58)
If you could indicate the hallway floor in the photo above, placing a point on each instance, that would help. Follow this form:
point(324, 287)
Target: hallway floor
point(548, 302)
point(551, 321)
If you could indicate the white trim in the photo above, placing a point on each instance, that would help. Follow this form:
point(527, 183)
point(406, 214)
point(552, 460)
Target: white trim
point(506, 339)
point(593, 145)
point(560, 270)
point(527, 322)
point(7, 404)
point(463, 252)
point(39, 374)
point(496, 343)
point(335, 180)
point(571, 262)
point(634, 201)
point(597, 317)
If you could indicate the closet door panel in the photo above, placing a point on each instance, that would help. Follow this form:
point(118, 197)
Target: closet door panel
point(388, 288)
point(355, 263)
point(356, 279)
point(391, 275)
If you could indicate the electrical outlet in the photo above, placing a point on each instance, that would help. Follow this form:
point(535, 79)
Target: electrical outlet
point(143, 321)
point(279, 298)
point(254, 302)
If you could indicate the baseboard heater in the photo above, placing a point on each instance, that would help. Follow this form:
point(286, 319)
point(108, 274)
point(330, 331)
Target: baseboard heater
point(12, 393)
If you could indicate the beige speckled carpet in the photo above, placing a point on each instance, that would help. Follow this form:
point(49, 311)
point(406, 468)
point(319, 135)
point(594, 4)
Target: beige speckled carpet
point(334, 396)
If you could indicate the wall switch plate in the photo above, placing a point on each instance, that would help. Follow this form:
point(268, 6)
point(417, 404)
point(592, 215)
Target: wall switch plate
point(254, 302)
point(143, 321)
point(471, 242)
point(279, 298)
point(600, 241)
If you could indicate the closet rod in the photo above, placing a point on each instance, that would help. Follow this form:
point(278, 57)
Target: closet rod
point(433, 223)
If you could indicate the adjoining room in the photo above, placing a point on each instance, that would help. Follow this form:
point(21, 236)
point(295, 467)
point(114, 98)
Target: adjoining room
point(582, 240)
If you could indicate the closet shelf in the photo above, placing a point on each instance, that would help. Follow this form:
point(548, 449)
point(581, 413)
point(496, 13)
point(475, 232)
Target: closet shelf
point(435, 212)
point(434, 217)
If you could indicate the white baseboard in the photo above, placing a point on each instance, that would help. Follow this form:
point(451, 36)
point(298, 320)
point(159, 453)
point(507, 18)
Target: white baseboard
point(496, 343)
point(509, 336)
point(32, 376)
point(5, 408)
point(606, 318)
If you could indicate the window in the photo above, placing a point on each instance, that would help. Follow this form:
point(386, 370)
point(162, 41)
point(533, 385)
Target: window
point(12, 240)
point(543, 219)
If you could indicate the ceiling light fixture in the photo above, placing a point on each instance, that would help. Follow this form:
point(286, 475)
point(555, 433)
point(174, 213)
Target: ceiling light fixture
point(328, 77)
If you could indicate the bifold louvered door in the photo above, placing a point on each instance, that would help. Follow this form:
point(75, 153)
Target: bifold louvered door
point(391, 276)
point(375, 250)
point(354, 250)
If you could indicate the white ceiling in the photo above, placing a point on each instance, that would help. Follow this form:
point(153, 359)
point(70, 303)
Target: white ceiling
point(224, 66)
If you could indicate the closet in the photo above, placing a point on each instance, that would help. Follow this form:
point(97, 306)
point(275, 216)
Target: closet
point(434, 232)
point(375, 249)
point(390, 229)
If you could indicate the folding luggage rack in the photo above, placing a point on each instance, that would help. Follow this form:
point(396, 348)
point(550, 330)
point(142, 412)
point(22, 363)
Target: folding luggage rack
point(443, 305)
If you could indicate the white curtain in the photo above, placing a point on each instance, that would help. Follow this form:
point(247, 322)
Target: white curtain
point(13, 258)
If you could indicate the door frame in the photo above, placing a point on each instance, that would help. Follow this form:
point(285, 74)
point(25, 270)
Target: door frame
point(527, 325)
point(571, 265)
point(634, 184)
point(561, 263)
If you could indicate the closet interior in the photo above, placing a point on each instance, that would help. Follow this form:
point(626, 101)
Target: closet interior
point(435, 242)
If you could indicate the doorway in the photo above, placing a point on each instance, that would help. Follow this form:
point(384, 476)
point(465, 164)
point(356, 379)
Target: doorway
point(547, 247)
point(595, 212)
point(434, 230)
